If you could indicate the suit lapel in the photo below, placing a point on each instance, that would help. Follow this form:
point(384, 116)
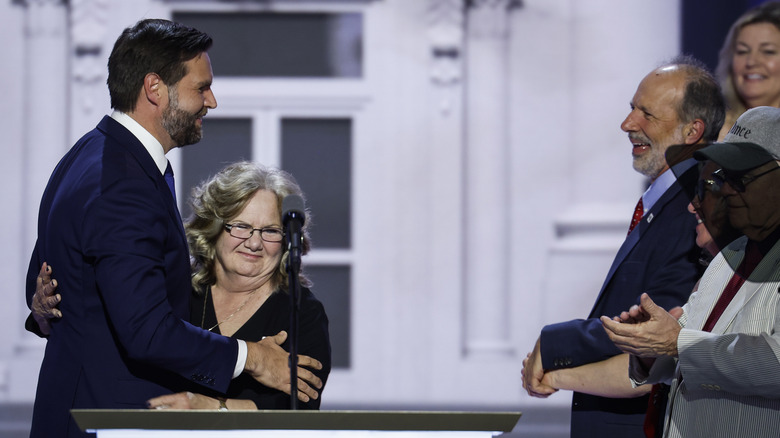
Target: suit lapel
point(688, 175)
point(126, 139)
point(715, 278)
point(639, 231)
point(764, 278)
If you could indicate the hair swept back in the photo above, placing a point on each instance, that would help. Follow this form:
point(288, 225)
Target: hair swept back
point(150, 46)
point(702, 98)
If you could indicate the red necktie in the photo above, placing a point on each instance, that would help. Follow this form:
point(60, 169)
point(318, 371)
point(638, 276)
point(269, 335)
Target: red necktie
point(653, 414)
point(639, 211)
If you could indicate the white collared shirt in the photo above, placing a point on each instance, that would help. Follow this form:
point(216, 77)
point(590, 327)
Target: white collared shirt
point(146, 138)
point(663, 182)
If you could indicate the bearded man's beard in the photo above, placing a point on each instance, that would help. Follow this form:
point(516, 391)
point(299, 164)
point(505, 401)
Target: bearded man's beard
point(179, 124)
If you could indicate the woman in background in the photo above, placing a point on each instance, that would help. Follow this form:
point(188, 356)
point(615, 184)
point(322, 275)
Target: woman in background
point(749, 63)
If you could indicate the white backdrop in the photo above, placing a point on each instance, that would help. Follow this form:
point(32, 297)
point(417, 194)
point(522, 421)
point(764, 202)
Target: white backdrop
point(492, 189)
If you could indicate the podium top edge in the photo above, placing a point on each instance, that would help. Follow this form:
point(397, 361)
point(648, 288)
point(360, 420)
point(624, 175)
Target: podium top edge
point(169, 419)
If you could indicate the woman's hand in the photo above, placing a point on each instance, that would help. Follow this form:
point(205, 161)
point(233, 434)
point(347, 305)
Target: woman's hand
point(44, 301)
point(183, 400)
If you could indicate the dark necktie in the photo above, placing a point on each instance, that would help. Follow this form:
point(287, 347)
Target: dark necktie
point(752, 258)
point(169, 179)
point(639, 211)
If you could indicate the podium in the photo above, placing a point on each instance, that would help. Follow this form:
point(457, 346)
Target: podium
point(292, 424)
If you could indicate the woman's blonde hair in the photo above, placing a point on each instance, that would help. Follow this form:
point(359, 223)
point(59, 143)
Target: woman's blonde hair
point(765, 13)
point(219, 200)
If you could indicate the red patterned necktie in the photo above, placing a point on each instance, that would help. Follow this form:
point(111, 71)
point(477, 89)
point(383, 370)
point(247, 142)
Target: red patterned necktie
point(639, 211)
point(653, 414)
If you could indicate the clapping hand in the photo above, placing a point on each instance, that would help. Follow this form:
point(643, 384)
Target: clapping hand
point(646, 330)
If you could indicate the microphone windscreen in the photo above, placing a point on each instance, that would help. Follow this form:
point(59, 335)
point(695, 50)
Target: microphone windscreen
point(292, 206)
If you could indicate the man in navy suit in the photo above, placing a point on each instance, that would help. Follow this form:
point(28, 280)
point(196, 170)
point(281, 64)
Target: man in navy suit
point(108, 221)
point(677, 104)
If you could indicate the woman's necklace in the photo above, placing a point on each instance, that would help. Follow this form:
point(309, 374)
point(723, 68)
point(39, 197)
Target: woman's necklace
point(203, 317)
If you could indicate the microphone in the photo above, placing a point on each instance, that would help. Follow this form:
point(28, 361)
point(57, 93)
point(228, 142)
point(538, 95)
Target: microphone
point(293, 218)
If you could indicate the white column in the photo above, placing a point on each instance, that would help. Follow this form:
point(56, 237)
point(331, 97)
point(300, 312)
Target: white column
point(446, 20)
point(91, 43)
point(45, 140)
point(594, 210)
point(487, 227)
point(46, 115)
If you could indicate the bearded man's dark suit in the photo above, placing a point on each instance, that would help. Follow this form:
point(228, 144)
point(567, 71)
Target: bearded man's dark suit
point(659, 257)
point(109, 226)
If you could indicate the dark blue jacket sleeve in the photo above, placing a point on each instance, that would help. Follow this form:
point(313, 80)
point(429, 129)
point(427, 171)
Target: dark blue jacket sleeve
point(664, 263)
point(124, 230)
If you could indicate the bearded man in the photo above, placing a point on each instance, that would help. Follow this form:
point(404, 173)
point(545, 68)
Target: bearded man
point(109, 222)
point(678, 103)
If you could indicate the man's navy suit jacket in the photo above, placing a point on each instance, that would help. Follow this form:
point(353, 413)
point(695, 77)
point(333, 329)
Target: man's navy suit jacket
point(109, 227)
point(659, 257)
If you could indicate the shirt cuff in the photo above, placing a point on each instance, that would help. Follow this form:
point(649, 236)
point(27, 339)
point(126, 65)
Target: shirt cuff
point(637, 373)
point(241, 360)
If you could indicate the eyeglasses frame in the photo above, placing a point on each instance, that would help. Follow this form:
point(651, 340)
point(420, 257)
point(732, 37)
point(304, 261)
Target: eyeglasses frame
point(740, 185)
point(229, 229)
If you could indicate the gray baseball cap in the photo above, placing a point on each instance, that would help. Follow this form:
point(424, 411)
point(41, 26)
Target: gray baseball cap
point(752, 141)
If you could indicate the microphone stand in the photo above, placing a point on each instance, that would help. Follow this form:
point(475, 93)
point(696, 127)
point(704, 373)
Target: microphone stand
point(293, 268)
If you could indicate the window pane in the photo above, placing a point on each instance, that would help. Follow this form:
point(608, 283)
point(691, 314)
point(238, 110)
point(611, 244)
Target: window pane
point(332, 288)
point(224, 141)
point(318, 153)
point(282, 44)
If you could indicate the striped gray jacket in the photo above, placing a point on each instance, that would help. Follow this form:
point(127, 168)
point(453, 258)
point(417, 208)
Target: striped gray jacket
point(726, 383)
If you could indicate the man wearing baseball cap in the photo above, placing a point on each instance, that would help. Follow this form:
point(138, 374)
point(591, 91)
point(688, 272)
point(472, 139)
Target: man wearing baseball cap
point(722, 356)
